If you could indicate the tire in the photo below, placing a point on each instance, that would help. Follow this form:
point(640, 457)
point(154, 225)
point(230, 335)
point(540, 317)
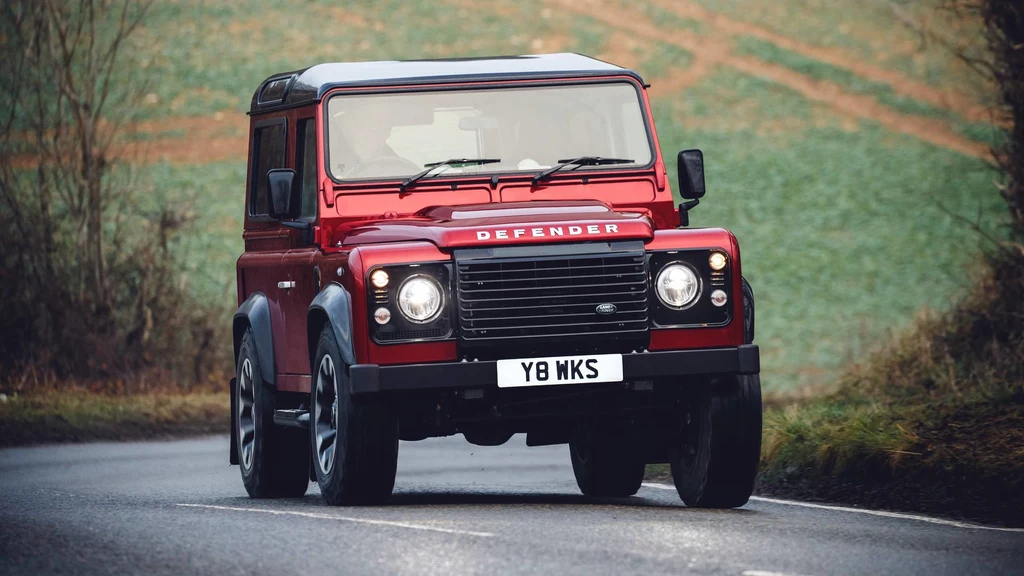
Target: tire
point(691, 447)
point(605, 463)
point(717, 460)
point(748, 311)
point(719, 451)
point(274, 461)
point(354, 440)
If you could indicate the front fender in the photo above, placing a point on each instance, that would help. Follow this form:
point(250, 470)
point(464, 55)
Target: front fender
point(332, 306)
point(255, 313)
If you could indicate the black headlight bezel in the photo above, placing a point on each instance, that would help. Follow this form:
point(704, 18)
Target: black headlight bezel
point(401, 330)
point(701, 313)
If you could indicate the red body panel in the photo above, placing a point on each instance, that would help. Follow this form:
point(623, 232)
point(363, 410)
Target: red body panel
point(501, 224)
point(361, 225)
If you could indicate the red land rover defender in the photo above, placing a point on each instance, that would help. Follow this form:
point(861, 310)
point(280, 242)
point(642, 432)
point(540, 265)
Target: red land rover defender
point(484, 247)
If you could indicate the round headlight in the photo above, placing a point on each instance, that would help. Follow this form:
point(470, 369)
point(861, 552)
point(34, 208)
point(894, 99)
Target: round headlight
point(420, 299)
point(677, 286)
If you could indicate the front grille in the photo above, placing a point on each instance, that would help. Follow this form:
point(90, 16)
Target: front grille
point(552, 297)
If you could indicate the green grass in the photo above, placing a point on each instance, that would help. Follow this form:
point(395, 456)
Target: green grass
point(213, 192)
point(869, 32)
point(661, 60)
point(882, 92)
point(665, 18)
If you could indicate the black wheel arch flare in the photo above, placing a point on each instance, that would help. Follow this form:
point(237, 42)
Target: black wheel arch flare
point(332, 306)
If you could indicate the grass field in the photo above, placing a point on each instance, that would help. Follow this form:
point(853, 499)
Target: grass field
point(836, 146)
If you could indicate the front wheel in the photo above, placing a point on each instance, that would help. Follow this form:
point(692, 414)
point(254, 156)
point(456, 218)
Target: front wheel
point(716, 463)
point(354, 440)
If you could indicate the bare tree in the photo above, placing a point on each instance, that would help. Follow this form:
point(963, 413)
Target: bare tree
point(1004, 22)
point(85, 268)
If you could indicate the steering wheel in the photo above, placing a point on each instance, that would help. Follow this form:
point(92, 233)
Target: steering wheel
point(386, 165)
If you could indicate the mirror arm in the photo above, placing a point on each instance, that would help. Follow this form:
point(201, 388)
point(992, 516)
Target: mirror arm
point(684, 212)
point(305, 227)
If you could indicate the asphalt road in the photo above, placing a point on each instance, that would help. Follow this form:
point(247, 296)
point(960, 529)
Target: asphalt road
point(178, 508)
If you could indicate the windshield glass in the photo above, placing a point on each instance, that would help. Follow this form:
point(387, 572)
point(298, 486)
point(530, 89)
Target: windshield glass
point(529, 129)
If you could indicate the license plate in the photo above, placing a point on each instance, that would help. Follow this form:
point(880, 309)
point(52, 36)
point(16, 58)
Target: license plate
point(558, 370)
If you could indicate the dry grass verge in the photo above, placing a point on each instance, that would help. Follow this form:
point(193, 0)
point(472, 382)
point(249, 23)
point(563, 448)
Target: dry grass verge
point(80, 415)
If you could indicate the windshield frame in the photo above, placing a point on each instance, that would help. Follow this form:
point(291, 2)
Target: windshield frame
point(597, 171)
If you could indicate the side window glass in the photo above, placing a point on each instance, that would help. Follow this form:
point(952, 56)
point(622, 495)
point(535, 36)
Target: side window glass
point(306, 163)
point(268, 153)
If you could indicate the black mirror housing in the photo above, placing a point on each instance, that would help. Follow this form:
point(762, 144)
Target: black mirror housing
point(282, 194)
point(690, 164)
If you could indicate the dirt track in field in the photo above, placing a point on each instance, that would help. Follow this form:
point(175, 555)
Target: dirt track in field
point(214, 138)
point(901, 85)
point(223, 136)
point(718, 52)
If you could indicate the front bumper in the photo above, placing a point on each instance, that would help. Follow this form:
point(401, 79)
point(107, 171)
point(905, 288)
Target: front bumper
point(367, 378)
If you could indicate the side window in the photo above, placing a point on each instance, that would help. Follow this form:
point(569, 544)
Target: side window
point(305, 161)
point(268, 152)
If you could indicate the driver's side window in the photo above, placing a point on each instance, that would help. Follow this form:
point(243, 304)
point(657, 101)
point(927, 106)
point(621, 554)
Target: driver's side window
point(268, 152)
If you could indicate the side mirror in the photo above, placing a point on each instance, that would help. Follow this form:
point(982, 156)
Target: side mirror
point(283, 196)
point(691, 174)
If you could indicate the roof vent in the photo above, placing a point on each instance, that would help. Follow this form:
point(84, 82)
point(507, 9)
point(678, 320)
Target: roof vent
point(274, 90)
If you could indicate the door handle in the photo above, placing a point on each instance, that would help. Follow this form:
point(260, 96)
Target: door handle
point(286, 285)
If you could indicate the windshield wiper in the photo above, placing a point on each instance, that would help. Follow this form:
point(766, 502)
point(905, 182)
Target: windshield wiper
point(450, 163)
point(577, 162)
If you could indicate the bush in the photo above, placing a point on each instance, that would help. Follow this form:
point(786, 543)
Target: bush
point(90, 281)
point(935, 422)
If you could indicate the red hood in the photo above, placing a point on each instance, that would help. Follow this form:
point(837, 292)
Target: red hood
point(501, 223)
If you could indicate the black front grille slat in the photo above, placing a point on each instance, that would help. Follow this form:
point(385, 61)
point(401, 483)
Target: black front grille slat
point(552, 297)
point(588, 305)
point(621, 316)
point(505, 281)
point(596, 294)
point(552, 288)
point(596, 270)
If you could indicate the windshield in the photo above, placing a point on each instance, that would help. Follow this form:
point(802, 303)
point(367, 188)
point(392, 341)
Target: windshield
point(528, 129)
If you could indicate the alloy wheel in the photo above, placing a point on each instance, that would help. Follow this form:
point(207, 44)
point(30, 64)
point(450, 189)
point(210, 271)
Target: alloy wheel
point(246, 414)
point(326, 414)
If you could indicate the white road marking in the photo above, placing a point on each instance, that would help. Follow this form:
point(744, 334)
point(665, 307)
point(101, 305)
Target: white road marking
point(765, 573)
point(344, 519)
point(882, 513)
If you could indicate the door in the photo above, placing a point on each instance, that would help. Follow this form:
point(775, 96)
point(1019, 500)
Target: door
point(298, 264)
point(266, 241)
